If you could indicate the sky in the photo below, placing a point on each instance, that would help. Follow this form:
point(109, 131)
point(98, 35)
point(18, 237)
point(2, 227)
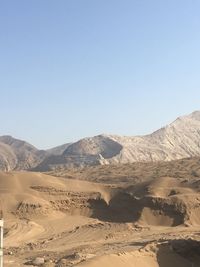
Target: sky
point(76, 68)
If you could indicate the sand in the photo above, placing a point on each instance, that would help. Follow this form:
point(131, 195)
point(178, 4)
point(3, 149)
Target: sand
point(77, 223)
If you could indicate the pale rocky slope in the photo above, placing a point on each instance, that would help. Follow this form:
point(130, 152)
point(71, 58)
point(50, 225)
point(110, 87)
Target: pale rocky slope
point(58, 150)
point(180, 139)
point(18, 155)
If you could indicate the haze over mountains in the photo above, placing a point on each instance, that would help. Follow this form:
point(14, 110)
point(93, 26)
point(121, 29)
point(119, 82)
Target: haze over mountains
point(180, 139)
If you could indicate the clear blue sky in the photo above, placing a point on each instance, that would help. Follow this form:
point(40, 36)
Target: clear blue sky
point(76, 68)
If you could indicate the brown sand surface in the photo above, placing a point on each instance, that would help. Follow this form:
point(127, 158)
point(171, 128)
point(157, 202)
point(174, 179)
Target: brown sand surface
point(69, 222)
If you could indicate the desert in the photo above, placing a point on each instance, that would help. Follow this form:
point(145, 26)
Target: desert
point(99, 133)
point(59, 221)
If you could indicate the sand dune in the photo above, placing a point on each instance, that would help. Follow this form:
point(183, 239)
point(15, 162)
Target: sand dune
point(77, 223)
point(165, 254)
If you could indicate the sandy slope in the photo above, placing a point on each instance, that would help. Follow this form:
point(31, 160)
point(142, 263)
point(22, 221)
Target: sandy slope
point(77, 223)
point(25, 200)
point(153, 255)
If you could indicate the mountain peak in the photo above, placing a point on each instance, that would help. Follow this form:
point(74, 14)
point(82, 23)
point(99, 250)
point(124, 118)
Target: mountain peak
point(195, 115)
point(180, 139)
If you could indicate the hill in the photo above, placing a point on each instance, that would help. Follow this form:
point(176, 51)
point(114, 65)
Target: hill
point(65, 222)
point(178, 140)
point(134, 172)
point(18, 155)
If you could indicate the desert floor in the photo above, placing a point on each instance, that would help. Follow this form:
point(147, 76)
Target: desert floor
point(66, 222)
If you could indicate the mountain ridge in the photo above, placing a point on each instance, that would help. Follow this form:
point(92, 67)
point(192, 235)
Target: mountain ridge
point(179, 139)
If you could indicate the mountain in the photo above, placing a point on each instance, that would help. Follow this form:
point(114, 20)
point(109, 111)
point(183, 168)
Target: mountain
point(18, 155)
point(58, 150)
point(88, 151)
point(180, 139)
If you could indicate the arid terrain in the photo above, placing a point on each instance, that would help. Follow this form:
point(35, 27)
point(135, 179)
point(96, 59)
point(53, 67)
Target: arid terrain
point(140, 214)
point(178, 140)
point(99, 133)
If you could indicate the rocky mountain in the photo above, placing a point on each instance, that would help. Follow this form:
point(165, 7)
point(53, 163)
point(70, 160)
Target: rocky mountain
point(18, 155)
point(180, 139)
point(58, 150)
point(88, 151)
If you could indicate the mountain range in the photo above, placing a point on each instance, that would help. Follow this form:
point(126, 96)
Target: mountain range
point(180, 139)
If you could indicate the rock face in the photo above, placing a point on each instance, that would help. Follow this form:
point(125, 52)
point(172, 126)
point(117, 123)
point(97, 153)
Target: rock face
point(18, 155)
point(88, 151)
point(180, 139)
point(58, 150)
